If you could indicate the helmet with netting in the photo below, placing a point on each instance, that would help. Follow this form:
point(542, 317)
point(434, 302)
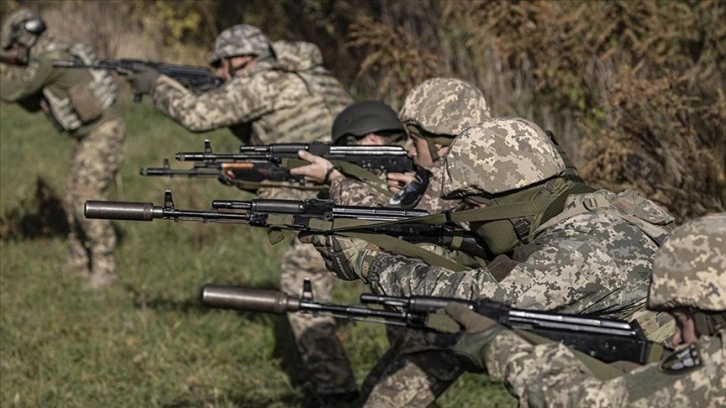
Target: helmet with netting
point(689, 270)
point(499, 155)
point(241, 39)
point(440, 108)
point(364, 117)
point(22, 27)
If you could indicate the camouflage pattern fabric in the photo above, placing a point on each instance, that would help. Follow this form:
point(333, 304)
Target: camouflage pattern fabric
point(348, 191)
point(593, 262)
point(690, 268)
point(242, 39)
point(323, 356)
point(96, 158)
point(551, 375)
point(499, 155)
point(291, 99)
point(287, 99)
point(444, 106)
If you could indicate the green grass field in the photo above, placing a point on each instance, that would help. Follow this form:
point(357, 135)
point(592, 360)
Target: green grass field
point(146, 342)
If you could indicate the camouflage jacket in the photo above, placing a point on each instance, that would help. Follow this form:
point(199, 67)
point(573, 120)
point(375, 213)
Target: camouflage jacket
point(592, 262)
point(289, 98)
point(41, 86)
point(349, 191)
point(551, 375)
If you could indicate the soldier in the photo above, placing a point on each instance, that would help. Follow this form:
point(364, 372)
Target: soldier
point(273, 93)
point(689, 282)
point(81, 104)
point(559, 244)
point(414, 372)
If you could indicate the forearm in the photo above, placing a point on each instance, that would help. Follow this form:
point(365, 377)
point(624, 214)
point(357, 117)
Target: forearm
point(401, 276)
point(196, 113)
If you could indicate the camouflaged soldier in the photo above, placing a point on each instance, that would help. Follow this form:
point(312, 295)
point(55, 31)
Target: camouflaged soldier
point(689, 282)
point(273, 93)
point(560, 245)
point(81, 104)
point(413, 371)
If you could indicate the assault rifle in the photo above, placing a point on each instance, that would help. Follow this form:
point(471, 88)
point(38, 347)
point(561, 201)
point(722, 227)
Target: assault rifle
point(313, 215)
point(268, 165)
point(607, 340)
point(197, 79)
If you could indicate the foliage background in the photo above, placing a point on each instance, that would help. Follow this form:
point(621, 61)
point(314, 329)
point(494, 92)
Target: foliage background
point(633, 89)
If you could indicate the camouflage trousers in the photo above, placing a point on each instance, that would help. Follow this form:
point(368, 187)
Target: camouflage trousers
point(324, 359)
point(91, 243)
point(413, 372)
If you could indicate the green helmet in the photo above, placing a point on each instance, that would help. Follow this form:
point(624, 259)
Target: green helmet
point(443, 107)
point(364, 117)
point(689, 270)
point(22, 27)
point(497, 156)
point(241, 39)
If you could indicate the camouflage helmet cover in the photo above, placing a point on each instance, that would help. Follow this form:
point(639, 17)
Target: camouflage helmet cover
point(499, 155)
point(444, 106)
point(364, 117)
point(241, 39)
point(13, 31)
point(689, 270)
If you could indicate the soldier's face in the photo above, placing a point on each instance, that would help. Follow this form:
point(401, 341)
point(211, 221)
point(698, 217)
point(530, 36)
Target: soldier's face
point(420, 153)
point(371, 139)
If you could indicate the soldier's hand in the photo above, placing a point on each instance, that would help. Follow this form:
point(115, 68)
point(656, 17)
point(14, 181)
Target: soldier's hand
point(397, 180)
point(479, 331)
point(319, 170)
point(347, 258)
point(142, 78)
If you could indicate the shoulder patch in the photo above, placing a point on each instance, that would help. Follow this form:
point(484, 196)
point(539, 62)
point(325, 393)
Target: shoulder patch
point(31, 70)
point(681, 361)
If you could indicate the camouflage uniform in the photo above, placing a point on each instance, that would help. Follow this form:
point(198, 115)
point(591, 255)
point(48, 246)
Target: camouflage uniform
point(287, 96)
point(80, 103)
point(414, 372)
point(594, 257)
point(689, 271)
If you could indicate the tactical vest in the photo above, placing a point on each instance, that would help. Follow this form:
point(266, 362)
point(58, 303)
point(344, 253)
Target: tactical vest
point(85, 101)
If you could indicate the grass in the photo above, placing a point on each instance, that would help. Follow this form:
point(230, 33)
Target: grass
point(146, 341)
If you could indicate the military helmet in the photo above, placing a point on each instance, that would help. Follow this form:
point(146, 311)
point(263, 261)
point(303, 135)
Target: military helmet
point(364, 117)
point(443, 107)
point(497, 156)
point(23, 27)
point(689, 270)
point(241, 39)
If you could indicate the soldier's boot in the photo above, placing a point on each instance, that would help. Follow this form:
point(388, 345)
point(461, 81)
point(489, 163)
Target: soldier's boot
point(326, 365)
point(78, 263)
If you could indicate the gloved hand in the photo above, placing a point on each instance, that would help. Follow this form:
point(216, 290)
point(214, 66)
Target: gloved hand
point(480, 330)
point(142, 78)
point(347, 258)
